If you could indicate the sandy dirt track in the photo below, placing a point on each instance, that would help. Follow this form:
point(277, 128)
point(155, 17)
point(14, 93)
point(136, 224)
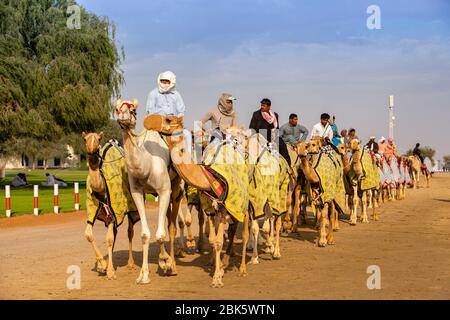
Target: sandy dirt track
point(411, 245)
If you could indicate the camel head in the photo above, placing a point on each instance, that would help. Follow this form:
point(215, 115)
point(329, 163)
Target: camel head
point(302, 149)
point(342, 149)
point(126, 113)
point(355, 145)
point(92, 141)
point(313, 146)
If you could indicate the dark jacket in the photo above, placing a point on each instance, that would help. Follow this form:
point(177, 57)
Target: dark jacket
point(258, 123)
point(373, 146)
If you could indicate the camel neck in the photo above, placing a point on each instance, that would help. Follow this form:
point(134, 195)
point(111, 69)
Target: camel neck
point(132, 152)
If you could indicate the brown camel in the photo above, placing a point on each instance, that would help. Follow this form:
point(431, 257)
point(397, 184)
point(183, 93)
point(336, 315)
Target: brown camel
point(92, 141)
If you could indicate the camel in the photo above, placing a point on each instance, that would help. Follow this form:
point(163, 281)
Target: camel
point(325, 211)
point(148, 161)
point(357, 175)
point(415, 167)
point(92, 141)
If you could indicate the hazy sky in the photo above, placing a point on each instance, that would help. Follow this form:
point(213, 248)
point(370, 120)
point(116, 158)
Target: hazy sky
point(308, 57)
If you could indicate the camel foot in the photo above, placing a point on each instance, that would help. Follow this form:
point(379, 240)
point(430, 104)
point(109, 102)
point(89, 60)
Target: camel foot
point(364, 220)
point(322, 243)
point(254, 260)
point(143, 277)
point(225, 261)
point(353, 223)
point(130, 264)
point(276, 255)
point(269, 249)
point(164, 262)
point(331, 242)
point(101, 266)
point(190, 243)
point(242, 272)
point(287, 226)
point(217, 279)
point(111, 275)
point(181, 253)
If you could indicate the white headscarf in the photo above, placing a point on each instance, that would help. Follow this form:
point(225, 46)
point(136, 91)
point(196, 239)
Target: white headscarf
point(167, 75)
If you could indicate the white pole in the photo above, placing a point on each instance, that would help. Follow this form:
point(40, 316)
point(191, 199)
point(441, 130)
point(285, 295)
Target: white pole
point(77, 196)
point(391, 117)
point(8, 200)
point(55, 199)
point(36, 200)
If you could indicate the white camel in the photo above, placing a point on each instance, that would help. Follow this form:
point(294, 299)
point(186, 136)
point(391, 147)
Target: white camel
point(148, 162)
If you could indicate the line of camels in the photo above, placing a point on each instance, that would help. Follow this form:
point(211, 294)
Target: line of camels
point(148, 164)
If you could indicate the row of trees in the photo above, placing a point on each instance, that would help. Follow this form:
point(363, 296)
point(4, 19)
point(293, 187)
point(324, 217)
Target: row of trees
point(55, 81)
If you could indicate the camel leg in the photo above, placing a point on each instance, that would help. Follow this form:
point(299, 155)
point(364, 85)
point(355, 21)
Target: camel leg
point(374, 208)
point(172, 214)
point(130, 264)
point(364, 218)
point(255, 233)
point(277, 253)
point(354, 207)
point(268, 232)
point(190, 241)
point(138, 198)
point(201, 234)
point(181, 252)
point(323, 219)
point(335, 219)
point(245, 235)
point(216, 241)
point(101, 263)
point(332, 217)
point(303, 205)
point(296, 209)
point(347, 199)
point(110, 237)
point(230, 248)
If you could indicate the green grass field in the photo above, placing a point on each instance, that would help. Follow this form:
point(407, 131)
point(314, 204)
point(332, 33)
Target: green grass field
point(22, 199)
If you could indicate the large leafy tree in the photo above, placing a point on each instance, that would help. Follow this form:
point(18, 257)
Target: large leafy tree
point(55, 81)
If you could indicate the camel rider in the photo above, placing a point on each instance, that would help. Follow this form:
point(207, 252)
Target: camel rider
point(372, 145)
point(265, 121)
point(337, 139)
point(417, 152)
point(222, 117)
point(382, 145)
point(292, 132)
point(390, 150)
point(166, 101)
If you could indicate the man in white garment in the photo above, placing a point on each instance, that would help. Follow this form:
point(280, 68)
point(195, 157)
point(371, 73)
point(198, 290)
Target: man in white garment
point(323, 129)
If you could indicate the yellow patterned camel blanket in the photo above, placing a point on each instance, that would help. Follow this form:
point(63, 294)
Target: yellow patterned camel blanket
point(329, 168)
point(117, 201)
point(371, 177)
point(227, 163)
point(269, 183)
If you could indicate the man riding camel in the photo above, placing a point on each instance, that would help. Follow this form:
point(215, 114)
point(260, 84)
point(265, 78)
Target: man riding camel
point(222, 117)
point(292, 132)
point(166, 101)
point(417, 152)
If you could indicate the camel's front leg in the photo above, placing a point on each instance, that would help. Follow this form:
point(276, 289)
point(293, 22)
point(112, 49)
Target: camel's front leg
point(182, 242)
point(172, 214)
point(322, 215)
point(364, 218)
point(332, 217)
point(201, 234)
point(296, 210)
point(216, 240)
point(130, 243)
point(255, 234)
point(268, 232)
point(354, 206)
point(243, 266)
point(101, 263)
point(374, 207)
point(303, 205)
point(277, 252)
point(230, 248)
point(190, 241)
point(110, 238)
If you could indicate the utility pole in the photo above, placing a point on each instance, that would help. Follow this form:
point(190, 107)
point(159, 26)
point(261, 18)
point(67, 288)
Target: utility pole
point(391, 117)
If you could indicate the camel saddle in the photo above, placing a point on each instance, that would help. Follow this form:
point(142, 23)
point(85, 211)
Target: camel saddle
point(166, 125)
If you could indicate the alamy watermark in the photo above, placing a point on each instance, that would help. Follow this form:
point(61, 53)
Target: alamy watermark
point(73, 281)
point(374, 280)
point(374, 20)
point(74, 19)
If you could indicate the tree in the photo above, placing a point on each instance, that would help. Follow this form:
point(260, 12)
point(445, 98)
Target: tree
point(54, 81)
point(446, 158)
